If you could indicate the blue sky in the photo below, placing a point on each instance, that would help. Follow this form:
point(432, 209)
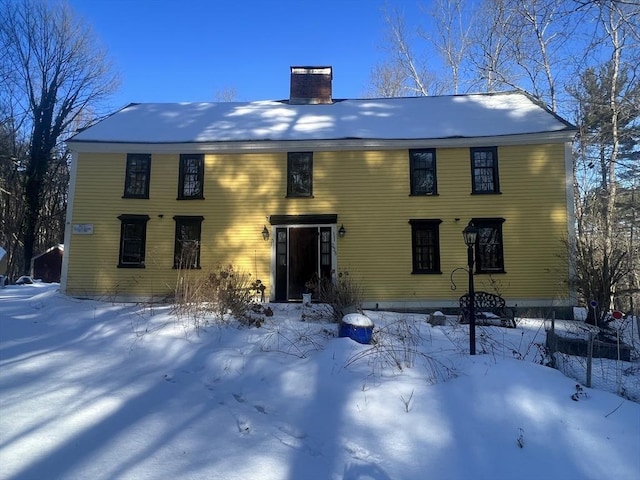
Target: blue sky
point(189, 50)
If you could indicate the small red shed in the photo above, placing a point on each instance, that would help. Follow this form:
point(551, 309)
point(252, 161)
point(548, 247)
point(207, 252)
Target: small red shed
point(48, 265)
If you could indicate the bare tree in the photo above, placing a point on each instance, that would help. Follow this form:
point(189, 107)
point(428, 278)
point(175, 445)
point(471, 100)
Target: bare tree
point(491, 37)
point(12, 155)
point(543, 28)
point(404, 56)
point(452, 38)
point(386, 81)
point(404, 73)
point(57, 71)
point(226, 94)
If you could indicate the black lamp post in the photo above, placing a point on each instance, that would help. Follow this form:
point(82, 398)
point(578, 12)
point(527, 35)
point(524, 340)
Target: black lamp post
point(470, 234)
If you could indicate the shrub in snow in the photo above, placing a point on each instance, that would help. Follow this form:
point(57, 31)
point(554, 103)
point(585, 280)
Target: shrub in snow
point(342, 296)
point(229, 291)
point(226, 293)
point(579, 393)
point(397, 345)
point(437, 318)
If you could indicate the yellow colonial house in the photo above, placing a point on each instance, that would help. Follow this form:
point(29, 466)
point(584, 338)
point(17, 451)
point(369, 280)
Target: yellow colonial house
point(312, 186)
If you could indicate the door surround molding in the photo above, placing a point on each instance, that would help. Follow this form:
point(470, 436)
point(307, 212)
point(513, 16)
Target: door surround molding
point(285, 223)
point(306, 219)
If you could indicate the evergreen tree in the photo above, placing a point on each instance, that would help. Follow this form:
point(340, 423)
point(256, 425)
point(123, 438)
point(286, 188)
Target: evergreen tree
point(606, 247)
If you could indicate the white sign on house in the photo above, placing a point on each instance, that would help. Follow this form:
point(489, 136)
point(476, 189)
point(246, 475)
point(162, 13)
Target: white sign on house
point(83, 228)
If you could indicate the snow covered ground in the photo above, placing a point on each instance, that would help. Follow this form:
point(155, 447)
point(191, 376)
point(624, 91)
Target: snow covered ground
point(95, 390)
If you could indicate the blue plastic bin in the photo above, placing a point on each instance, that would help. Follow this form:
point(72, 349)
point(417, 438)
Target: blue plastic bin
point(359, 333)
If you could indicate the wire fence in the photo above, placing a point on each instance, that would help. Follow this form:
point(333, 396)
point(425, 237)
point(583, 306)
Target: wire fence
point(609, 362)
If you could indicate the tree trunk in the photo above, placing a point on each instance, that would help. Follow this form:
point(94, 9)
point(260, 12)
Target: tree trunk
point(33, 188)
point(43, 142)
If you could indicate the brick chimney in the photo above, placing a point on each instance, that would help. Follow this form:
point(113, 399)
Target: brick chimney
point(311, 85)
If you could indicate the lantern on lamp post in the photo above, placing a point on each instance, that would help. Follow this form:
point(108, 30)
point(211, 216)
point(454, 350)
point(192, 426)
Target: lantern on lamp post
point(470, 234)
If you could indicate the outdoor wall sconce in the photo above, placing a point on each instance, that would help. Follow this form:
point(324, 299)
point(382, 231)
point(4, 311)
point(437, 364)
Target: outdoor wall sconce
point(265, 233)
point(342, 232)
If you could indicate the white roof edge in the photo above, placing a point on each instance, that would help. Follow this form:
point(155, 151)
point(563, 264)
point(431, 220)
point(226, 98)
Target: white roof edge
point(320, 145)
point(58, 246)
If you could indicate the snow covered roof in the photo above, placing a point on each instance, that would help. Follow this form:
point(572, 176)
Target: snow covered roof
point(59, 246)
point(437, 117)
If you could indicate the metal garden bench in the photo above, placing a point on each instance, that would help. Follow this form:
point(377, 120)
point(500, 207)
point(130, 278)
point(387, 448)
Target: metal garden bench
point(489, 309)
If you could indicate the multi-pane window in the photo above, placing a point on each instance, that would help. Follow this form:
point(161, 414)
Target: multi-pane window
point(133, 233)
point(137, 175)
point(281, 247)
point(484, 170)
point(489, 245)
point(191, 181)
point(422, 165)
point(325, 252)
point(299, 174)
point(325, 247)
point(187, 246)
point(425, 246)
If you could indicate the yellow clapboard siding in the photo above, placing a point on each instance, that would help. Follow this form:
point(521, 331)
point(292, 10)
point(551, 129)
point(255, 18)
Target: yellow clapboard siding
point(368, 190)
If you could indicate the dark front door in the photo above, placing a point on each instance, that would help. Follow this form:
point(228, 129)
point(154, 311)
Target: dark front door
point(303, 253)
point(303, 259)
